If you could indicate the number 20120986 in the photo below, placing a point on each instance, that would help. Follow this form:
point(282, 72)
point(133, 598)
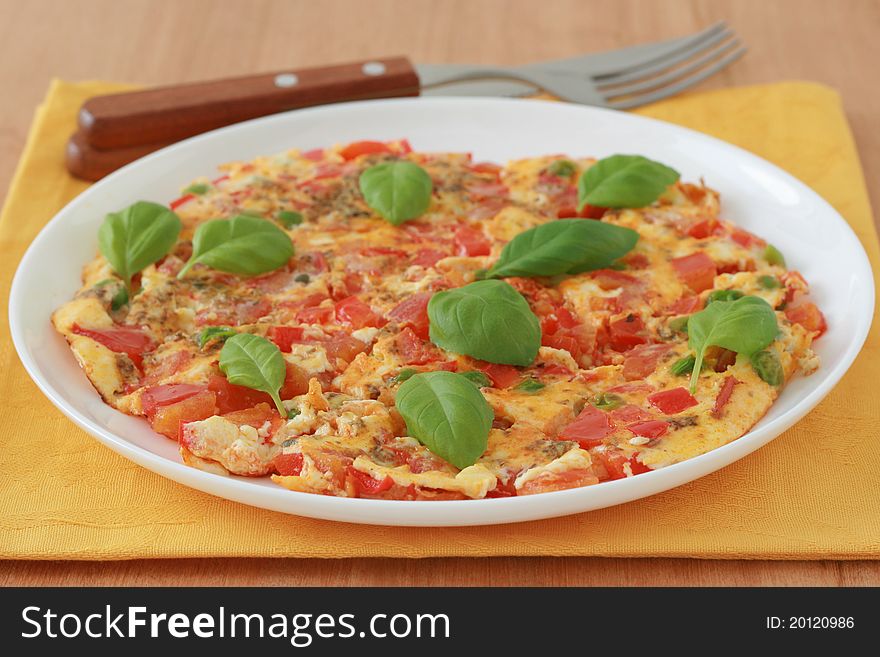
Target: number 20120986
point(810, 623)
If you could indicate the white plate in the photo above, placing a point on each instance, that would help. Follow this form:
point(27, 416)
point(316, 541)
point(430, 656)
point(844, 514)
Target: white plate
point(755, 194)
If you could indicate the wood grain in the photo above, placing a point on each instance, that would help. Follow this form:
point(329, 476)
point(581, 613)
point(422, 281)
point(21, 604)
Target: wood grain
point(170, 41)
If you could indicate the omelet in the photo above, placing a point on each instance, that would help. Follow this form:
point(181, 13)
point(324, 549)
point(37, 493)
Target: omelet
point(603, 400)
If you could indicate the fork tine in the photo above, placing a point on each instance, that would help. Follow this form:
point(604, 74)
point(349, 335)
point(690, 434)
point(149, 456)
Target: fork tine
point(670, 76)
point(623, 59)
point(660, 65)
point(673, 89)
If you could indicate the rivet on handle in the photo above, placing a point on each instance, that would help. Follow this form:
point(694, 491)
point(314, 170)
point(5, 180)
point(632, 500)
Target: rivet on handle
point(373, 68)
point(285, 80)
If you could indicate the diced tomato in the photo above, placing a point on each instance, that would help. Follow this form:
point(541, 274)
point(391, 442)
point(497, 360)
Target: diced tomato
point(483, 190)
point(315, 315)
point(352, 310)
point(642, 360)
point(231, 397)
point(256, 416)
point(652, 429)
point(343, 346)
point(611, 279)
point(696, 270)
point(166, 366)
point(626, 333)
point(413, 312)
point(615, 461)
point(315, 155)
point(635, 260)
point(486, 167)
point(312, 262)
point(628, 414)
point(168, 419)
point(375, 251)
point(167, 394)
point(415, 350)
point(724, 395)
point(404, 147)
point(503, 489)
point(564, 342)
point(685, 306)
point(351, 284)
point(551, 481)
point(808, 315)
point(556, 370)
point(250, 310)
point(470, 241)
point(672, 401)
point(503, 376)
point(589, 428)
point(180, 201)
point(633, 386)
point(219, 180)
point(285, 337)
point(745, 238)
point(296, 381)
point(725, 359)
point(366, 484)
point(586, 212)
point(128, 340)
point(702, 229)
point(288, 464)
point(428, 257)
point(447, 366)
point(359, 148)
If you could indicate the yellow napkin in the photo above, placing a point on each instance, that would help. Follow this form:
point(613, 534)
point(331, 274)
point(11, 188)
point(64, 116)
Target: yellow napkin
point(810, 494)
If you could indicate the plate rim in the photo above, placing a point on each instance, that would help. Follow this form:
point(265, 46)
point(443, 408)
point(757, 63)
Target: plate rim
point(467, 512)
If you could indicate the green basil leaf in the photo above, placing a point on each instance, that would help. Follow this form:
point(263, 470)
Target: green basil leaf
point(565, 246)
point(624, 181)
point(607, 401)
point(398, 191)
point(197, 188)
point(137, 237)
point(679, 324)
point(213, 333)
point(562, 168)
point(477, 378)
point(768, 366)
point(241, 245)
point(529, 385)
point(404, 375)
point(488, 320)
point(289, 219)
point(447, 414)
point(683, 366)
point(119, 299)
point(768, 282)
point(774, 256)
point(256, 363)
point(723, 295)
point(745, 326)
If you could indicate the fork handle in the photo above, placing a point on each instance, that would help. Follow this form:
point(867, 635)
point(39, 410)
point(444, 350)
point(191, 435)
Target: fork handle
point(167, 114)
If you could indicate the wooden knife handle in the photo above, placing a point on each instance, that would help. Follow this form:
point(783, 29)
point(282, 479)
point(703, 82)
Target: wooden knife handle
point(168, 114)
point(89, 163)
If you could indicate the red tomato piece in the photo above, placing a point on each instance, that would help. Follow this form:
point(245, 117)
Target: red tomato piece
point(447, 366)
point(359, 148)
point(503, 376)
point(296, 382)
point(180, 201)
point(724, 395)
point(808, 315)
point(636, 260)
point(725, 359)
point(702, 229)
point(315, 155)
point(230, 397)
point(672, 401)
point(486, 167)
point(413, 312)
point(589, 428)
point(428, 257)
point(343, 346)
point(285, 337)
point(366, 484)
point(611, 279)
point(375, 251)
point(167, 394)
point(615, 461)
point(414, 350)
point(746, 239)
point(685, 306)
point(642, 360)
point(128, 340)
point(591, 211)
point(503, 489)
point(562, 341)
point(315, 315)
point(288, 464)
point(652, 429)
point(629, 413)
point(470, 241)
point(169, 419)
point(626, 333)
point(255, 416)
point(696, 270)
point(352, 310)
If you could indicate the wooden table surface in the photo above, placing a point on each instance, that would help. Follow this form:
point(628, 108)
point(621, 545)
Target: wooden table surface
point(182, 40)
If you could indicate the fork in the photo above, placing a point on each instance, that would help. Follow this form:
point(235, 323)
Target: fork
point(619, 79)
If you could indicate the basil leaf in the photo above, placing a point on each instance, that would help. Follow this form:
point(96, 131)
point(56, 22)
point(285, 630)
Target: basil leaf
point(679, 324)
point(488, 320)
point(624, 181)
point(530, 386)
point(241, 245)
point(682, 366)
point(256, 363)
point(477, 378)
point(398, 191)
point(119, 299)
point(565, 246)
point(215, 333)
point(137, 237)
point(447, 414)
point(774, 256)
point(562, 168)
point(607, 401)
point(723, 295)
point(289, 218)
point(767, 365)
point(197, 188)
point(745, 326)
point(769, 282)
point(403, 375)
